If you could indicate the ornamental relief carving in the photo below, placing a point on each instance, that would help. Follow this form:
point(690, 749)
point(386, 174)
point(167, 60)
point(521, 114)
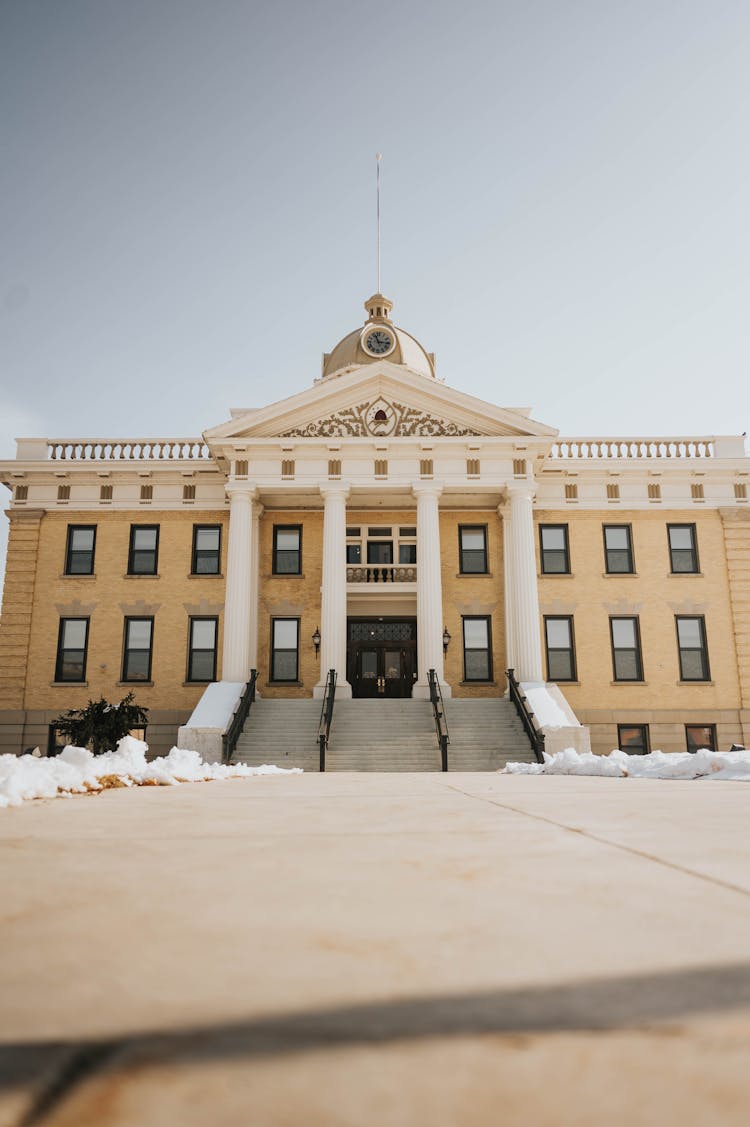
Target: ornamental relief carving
point(381, 419)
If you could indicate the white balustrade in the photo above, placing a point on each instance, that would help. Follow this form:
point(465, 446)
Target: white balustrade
point(607, 449)
point(126, 449)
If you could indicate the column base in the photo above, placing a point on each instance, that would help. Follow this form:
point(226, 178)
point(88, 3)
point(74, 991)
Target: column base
point(343, 690)
point(421, 690)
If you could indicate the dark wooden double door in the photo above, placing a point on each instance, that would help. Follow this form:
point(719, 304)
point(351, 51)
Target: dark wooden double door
point(382, 657)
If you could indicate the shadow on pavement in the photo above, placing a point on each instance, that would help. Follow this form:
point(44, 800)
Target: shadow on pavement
point(602, 1004)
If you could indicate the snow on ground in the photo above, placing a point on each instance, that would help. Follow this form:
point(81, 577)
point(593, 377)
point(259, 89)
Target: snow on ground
point(657, 765)
point(76, 771)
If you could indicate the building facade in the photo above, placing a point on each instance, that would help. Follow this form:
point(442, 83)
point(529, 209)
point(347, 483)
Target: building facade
point(382, 524)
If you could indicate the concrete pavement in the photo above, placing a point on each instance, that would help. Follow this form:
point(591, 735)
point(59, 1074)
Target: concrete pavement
point(378, 949)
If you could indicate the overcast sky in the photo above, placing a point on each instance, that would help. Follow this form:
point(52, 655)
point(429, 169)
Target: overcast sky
point(188, 204)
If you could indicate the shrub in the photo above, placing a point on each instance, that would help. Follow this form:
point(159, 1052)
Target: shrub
point(101, 724)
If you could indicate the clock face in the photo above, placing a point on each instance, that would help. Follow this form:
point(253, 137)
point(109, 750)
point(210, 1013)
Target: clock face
point(378, 342)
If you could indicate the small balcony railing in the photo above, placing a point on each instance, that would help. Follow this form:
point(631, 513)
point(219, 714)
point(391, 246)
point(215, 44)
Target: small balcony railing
point(381, 573)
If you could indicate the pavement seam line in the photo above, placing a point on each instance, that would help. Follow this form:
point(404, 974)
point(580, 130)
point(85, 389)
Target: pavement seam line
point(607, 841)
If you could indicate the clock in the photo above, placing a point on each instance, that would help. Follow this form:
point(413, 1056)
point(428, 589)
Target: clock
point(378, 342)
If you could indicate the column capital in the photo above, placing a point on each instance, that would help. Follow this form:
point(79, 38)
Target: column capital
point(427, 488)
point(237, 490)
point(520, 489)
point(335, 489)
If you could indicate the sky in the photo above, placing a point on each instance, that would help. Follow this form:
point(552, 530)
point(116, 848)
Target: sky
point(187, 192)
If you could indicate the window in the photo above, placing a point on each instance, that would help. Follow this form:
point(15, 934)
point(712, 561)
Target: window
point(691, 641)
point(206, 549)
point(626, 649)
point(683, 547)
point(477, 649)
point(285, 649)
point(380, 552)
point(553, 539)
point(561, 659)
point(633, 738)
point(79, 554)
point(287, 549)
point(407, 544)
point(136, 658)
point(72, 644)
point(144, 549)
point(472, 549)
point(618, 549)
point(202, 649)
point(700, 735)
point(354, 553)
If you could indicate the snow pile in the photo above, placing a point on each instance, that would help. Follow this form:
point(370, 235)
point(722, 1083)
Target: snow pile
point(657, 765)
point(545, 708)
point(76, 771)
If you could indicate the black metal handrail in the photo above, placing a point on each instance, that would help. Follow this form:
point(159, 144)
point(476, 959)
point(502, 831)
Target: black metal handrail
point(528, 719)
point(441, 724)
point(326, 716)
point(237, 723)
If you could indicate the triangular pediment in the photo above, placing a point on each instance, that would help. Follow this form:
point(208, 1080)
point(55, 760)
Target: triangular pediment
point(380, 401)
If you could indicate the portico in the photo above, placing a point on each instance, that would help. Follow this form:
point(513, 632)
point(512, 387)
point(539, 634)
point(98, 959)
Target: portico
point(379, 587)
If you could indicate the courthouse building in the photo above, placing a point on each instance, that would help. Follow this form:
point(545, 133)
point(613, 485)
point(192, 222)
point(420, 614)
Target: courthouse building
point(382, 524)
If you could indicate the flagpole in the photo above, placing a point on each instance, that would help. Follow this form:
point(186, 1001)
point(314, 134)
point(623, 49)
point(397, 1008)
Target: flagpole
point(378, 158)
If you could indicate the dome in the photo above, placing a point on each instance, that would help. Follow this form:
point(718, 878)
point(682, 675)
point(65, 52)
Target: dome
point(378, 339)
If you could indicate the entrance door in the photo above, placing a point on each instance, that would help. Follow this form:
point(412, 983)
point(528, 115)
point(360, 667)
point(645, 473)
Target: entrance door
point(382, 670)
point(382, 657)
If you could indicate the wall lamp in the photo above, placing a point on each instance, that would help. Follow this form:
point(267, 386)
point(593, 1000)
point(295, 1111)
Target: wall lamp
point(446, 640)
point(316, 640)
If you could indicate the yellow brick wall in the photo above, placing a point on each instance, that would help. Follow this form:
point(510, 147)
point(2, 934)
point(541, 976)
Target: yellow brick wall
point(473, 595)
point(656, 596)
point(290, 596)
point(18, 597)
point(736, 523)
point(110, 595)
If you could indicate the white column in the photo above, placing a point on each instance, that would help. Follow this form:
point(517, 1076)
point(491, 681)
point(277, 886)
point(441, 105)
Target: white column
point(333, 590)
point(237, 611)
point(510, 641)
point(254, 584)
point(524, 595)
point(429, 589)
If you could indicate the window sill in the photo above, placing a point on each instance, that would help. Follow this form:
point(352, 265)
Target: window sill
point(193, 684)
point(620, 575)
point(69, 684)
point(559, 682)
point(685, 575)
point(491, 683)
point(206, 575)
point(292, 574)
point(555, 575)
point(624, 682)
point(695, 682)
point(72, 575)
point(276, 684)
point(141, 575)
point(464, 574)
point(130, 684)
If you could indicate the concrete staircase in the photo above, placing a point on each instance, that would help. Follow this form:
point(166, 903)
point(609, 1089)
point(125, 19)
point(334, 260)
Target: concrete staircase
point(485, 735)
point(282, 732)
point(384, 735)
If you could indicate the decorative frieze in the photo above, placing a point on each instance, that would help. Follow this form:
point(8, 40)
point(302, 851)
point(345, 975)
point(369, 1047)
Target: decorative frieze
point(379, 418)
